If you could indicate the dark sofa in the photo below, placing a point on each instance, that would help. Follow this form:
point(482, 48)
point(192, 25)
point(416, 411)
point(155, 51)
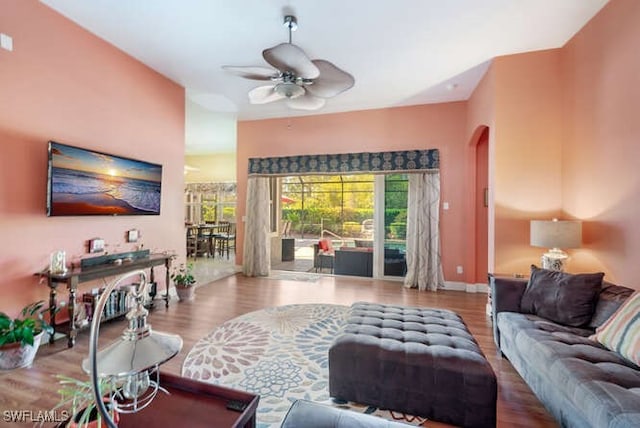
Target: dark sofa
point(580, 382)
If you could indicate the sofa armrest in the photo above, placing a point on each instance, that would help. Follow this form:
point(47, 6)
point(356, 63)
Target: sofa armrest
point(313, 415)
point(506, 293)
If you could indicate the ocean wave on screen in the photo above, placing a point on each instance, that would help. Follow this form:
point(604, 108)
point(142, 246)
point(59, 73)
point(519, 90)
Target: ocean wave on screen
point(78, 184)
point(141, 195)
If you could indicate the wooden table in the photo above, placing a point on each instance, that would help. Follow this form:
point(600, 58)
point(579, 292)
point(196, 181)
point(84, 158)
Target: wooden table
point(78, 275)
point(194, 404)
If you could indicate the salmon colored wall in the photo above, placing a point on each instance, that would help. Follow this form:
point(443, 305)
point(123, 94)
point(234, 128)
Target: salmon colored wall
point(527, 155)
point(64, 84)
point(480, 119)
point(434, 126)
point(601, 154)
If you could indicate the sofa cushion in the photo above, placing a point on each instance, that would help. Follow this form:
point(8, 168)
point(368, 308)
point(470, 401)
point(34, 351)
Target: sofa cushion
point(579, 380)
point(565, 298)
point(601, 384)
point(611, 297)
point(621, 332)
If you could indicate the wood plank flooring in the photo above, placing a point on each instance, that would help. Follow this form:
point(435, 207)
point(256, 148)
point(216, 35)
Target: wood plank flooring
point(36, 388)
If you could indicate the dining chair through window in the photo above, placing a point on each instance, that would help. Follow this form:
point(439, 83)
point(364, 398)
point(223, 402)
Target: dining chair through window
point(226, 240)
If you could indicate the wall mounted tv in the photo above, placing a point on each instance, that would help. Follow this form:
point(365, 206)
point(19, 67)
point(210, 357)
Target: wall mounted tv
point(86, 182)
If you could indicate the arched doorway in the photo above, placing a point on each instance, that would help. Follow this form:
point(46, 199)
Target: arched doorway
point(482, 207)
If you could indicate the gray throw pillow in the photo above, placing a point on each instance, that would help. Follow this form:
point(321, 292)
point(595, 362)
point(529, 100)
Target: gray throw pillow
point(565, 298)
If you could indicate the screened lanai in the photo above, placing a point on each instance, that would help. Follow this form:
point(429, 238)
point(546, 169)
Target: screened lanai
point(332, 197)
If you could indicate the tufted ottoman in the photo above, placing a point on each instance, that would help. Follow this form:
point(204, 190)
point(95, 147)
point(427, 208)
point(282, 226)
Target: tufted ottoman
point(418, 361)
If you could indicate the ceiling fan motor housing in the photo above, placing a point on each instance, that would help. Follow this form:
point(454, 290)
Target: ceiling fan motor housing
point(289, 89)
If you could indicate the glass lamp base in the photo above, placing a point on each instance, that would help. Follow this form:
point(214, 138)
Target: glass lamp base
point(554, 260)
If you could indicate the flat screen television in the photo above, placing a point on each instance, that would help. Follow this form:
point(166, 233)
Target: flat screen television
point(86, 182)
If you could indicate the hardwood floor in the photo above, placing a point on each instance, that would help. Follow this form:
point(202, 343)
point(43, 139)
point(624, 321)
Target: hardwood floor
point(36, 388)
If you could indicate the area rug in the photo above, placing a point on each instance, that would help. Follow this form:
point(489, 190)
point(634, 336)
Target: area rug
point(280, 353)
point(295, 276)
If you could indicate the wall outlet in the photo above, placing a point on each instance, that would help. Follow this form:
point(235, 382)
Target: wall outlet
point(445, 205)
point(459, 269)
point(6, 42)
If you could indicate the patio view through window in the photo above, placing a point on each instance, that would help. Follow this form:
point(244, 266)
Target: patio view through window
point(341, 208)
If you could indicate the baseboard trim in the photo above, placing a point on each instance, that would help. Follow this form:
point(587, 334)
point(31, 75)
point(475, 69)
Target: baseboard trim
point(463, 286)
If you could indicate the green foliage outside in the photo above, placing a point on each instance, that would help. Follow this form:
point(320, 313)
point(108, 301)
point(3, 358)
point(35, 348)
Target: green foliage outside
point(209, 213)
point(341, 203)
point(398, 230)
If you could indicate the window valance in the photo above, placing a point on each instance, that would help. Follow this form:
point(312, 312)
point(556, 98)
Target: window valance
point(394, 161)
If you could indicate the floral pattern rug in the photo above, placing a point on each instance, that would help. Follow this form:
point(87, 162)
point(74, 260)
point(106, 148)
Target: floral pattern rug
point(280, 353)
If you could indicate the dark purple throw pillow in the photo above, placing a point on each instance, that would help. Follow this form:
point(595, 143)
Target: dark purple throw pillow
point(568, 299)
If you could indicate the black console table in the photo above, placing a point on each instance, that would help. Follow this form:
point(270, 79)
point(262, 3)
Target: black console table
point(78, 275)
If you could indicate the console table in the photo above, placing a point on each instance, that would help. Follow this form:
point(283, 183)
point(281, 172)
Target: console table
point(75, 276)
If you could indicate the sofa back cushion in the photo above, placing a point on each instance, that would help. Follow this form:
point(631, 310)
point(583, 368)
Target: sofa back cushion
point(564, 298)
point(611, 297)
point(621, 332)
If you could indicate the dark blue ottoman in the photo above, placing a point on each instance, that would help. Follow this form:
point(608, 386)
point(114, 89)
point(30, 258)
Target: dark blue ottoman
point(419, 361)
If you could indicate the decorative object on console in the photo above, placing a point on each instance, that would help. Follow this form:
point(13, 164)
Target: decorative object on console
point(96, 245)
point(58, 262)
point(20, 337)
point(555, 234)
point(134, 359)
point(112, 258)
point(133, 235)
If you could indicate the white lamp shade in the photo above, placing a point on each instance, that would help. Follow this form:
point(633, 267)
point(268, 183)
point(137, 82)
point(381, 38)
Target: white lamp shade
point(556, 233)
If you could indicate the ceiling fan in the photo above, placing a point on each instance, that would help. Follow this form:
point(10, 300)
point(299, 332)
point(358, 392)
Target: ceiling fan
point(303, 83)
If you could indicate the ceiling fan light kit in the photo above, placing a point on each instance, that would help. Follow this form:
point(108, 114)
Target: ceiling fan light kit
point(302, 83)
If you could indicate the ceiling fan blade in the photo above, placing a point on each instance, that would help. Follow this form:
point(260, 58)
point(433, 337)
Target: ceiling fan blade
point(306, 102)
point(252, 72)
point(289, 57)
point(264, 94)
point(331, 82)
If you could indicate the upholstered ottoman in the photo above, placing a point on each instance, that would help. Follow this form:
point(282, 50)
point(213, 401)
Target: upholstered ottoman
point(418, 361)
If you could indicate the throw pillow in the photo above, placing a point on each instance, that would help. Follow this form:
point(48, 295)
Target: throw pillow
point(621, 332)
point(561, 297)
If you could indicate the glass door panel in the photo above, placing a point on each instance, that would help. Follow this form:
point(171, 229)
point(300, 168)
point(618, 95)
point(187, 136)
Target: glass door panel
point(395, 224)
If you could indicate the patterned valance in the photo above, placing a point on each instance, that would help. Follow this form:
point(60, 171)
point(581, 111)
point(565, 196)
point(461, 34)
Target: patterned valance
point(396, 161)
point(210, 188)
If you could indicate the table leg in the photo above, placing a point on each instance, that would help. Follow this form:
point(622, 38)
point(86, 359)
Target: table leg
point(167, 264)
point(72, 311)
point(53, 306)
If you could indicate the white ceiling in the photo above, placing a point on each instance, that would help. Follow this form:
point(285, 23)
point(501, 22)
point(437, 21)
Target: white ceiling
point(401, 52)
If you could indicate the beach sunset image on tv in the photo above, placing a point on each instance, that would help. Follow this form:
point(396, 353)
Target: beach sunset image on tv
point(85, 182)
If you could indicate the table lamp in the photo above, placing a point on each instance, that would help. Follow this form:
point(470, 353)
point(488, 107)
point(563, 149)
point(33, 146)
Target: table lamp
point(555, 234)
point(133, 360)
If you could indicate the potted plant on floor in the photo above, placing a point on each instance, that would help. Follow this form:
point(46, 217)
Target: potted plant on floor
point(77, 401)
point(184, 282)
point(20, 337)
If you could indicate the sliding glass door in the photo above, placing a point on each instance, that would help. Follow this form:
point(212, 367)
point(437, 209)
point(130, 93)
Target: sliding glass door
point(395, 225)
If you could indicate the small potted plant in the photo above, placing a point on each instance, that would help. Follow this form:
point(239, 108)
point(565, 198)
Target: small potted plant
point(20, 337)
point(77, 401)
point(184, 281)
